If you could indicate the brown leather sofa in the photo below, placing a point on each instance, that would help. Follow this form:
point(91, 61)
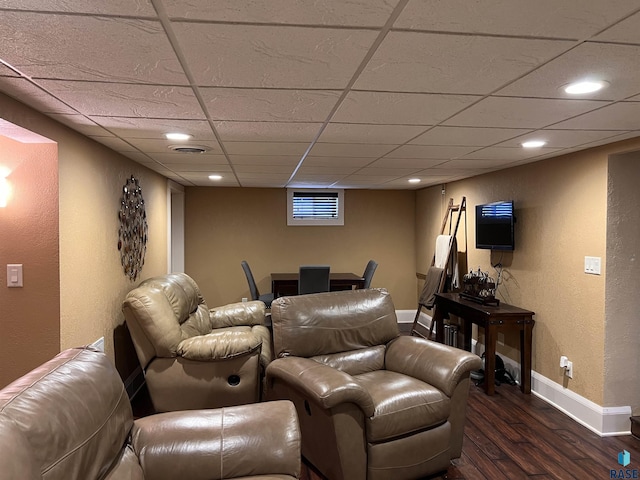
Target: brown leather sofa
point(193, 356)
point(70, 419)
point(372, 404)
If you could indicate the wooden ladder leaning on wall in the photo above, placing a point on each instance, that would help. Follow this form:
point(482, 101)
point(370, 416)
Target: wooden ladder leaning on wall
point(453, 231)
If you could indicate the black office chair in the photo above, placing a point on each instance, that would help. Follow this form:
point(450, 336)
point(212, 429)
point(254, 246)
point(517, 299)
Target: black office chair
point(368, 273)
point(313, 279)
point(267, 298)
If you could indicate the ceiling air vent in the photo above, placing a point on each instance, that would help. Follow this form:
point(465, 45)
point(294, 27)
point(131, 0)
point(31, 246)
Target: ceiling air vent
point(188, 148)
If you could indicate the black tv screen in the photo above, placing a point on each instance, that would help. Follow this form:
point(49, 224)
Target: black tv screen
point(494, 226)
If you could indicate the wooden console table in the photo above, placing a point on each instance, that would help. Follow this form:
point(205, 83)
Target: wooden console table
point(493, 319)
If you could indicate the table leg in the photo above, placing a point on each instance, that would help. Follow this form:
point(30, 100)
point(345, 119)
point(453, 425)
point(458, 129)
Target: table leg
point(526, 335)
point(466, 332)
point(438, 319)
point(490, 334)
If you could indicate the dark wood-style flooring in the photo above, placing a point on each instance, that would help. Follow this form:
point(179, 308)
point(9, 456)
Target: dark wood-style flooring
point(512, 435)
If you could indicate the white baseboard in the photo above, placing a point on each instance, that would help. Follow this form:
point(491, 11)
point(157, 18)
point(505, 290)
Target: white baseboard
point(604, 421)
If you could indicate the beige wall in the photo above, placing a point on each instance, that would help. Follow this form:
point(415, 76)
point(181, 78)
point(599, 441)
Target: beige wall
point(92, 283)
point(224, 226)
point(622, 330)
point(561, 208)
point(30, 316)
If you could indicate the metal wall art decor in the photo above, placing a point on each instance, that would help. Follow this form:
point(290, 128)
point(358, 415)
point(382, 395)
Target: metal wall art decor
point(133, 231)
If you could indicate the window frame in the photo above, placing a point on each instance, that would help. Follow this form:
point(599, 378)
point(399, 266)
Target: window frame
point(338, 221)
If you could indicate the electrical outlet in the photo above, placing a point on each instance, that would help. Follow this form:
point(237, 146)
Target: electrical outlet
point(563, 361)
point(569, 369)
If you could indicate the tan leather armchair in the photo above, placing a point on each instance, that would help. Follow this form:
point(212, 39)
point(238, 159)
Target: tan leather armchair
point(372, 404)
point(193, 356)
point(70, 419)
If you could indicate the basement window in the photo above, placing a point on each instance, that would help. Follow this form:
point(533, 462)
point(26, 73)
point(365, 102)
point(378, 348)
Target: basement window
point(315, 206)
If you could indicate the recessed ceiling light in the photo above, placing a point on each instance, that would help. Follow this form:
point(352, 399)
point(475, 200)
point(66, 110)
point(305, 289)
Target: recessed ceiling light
point(579, 88)
point(534, 143)
point(414, 180)
point(178, 136)
point(215, 177)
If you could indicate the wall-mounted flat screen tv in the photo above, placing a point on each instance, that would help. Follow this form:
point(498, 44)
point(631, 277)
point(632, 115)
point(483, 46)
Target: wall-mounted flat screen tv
point(494, 226)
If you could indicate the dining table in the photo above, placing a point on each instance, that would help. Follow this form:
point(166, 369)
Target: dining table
point(286, 284)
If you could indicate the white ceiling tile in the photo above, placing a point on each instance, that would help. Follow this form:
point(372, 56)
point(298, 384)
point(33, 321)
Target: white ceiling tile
point(136, 127)
point(471, 136)
point(479, 164)
point(202, 158)
point(309, 12)
point(202, 179)
point(154, 145)
point(269, 105)
point(508, 112)
point(619, 116)
point(325, 178)
point(508, 153)
point(137, 8)
point(361, 133)
point(542, 18)
point(562, 138)
point(267, 131)
point(198, 167)
point(407, 162)
point(350, 150)
point(265, 148)
point(387, 172)
point(368, 179)
point(336, 161)
point(272, 56)
point(627, 31)
point(400, 108)
point(75, 48)
point(430, 151)
point(80, 124)
point(25, 91)
point(113, 143)
point(127, 100)
point(291, 160)
point(274, 177)
point(435, 63)
point(615, 64)
point(271, 169)
point(306, 170)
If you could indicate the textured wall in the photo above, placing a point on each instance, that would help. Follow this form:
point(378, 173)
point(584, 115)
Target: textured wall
point(227, 225)
point(622, 333)
point(91, 282)
point(561, 217)
point(30, 316)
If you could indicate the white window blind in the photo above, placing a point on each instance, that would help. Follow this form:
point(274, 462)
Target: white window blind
point(315, 207)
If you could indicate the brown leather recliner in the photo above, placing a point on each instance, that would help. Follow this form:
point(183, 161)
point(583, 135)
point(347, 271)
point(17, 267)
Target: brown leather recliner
point(372, 404)
point(193, 356)
point(70, 419)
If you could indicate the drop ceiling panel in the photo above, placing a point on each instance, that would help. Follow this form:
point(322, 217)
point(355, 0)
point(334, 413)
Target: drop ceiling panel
point(627, 31)
point(267, 131)
point(125, 8)
point(269, 105)
point(471, 137)
point(81, 123)
point(309, 12)
point(361, 133)
point(265, 148)
point(291, 160)
point(155, 145)
point(350, 150)
point(202, 158)
point(419, 62)
point(400, 108)
point(28, 93)
point(590, 61)
point(619, 116)
point(543, 18)
point(508, 153)
point(72, 54)
point(337, 161)
point(126, 100)
point(430, 151)
point(472, 164)
point(507, 112)
point(135, 127)
point(307, 170)
point(562, 138)
point(407, 162)
point(272, 57)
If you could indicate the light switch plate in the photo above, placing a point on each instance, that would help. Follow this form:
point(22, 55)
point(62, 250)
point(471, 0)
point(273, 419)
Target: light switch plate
point(592, 265)
point(14, 275)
